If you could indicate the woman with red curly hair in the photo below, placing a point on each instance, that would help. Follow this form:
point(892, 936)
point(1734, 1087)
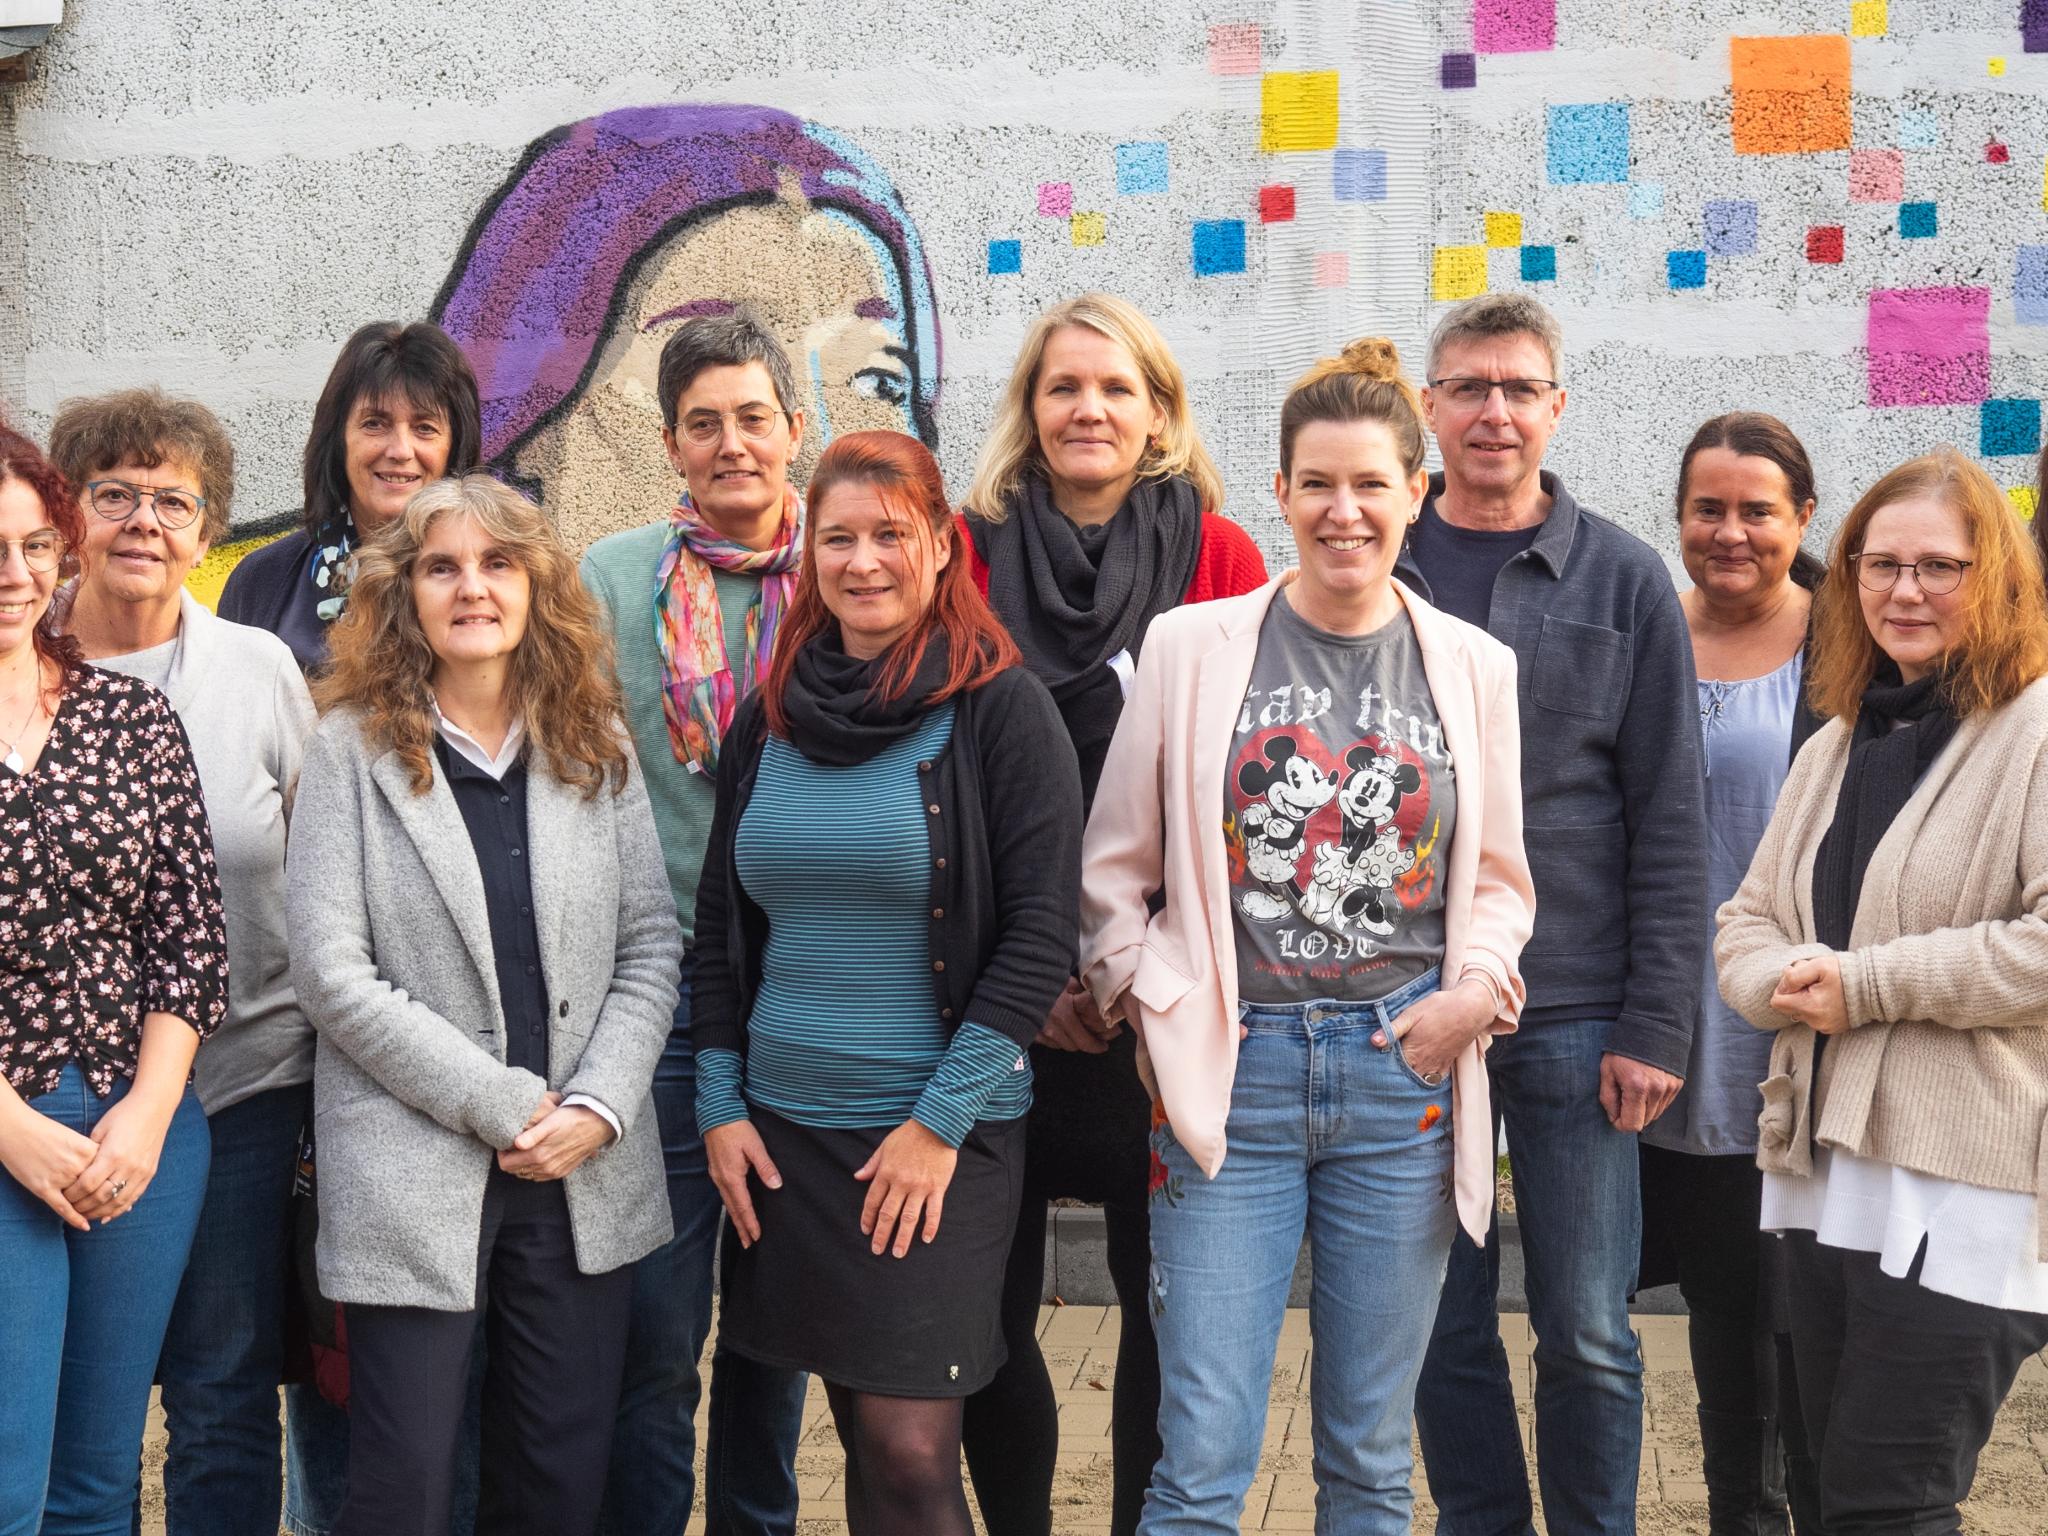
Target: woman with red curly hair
point(887, 912)
point(113, 965)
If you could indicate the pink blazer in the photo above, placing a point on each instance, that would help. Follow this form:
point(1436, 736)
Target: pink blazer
point(1158, 825)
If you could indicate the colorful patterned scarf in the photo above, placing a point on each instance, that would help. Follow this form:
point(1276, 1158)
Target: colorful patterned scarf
point(698, 692)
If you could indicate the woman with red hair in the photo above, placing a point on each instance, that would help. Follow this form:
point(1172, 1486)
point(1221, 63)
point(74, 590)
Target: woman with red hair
point(886, 915)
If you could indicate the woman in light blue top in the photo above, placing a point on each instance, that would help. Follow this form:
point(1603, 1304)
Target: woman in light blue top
point(1745, 497)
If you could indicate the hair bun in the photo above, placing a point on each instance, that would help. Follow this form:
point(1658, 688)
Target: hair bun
point(1372, 357)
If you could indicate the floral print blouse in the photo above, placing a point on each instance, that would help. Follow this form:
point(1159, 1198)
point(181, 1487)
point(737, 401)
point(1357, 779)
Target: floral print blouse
point(109, 905)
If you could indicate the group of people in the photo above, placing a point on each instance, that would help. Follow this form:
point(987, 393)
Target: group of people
point(451, 953)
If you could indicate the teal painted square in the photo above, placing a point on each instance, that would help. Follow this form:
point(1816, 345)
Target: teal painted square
point(1218, 246)
point(1539, 263)
point(1005, 256)
point(1917, 221)
point(1588, 142)
point(1140, 168)
point(1685, 269)
point(2008, 427)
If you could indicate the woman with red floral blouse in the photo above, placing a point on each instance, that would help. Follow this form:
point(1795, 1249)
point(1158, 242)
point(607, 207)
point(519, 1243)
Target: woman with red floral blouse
point(113, 966)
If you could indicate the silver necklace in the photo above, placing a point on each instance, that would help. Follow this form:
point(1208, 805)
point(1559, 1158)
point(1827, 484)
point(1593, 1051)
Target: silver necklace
point(13, 762)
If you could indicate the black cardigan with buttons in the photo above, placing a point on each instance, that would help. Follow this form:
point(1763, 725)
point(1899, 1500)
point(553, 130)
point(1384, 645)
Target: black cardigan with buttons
point(1003, 810)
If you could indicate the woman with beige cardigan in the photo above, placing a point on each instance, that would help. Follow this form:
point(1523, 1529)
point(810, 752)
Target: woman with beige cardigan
point(1893, 932)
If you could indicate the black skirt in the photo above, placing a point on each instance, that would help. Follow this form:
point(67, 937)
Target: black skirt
point(810, 1295)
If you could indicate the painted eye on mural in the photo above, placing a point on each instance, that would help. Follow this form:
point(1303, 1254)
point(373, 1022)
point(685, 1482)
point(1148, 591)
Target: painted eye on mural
point(891, 386)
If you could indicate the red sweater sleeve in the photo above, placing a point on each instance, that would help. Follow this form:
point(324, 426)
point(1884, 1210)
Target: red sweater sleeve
point(975, 567)
point(1230, 563)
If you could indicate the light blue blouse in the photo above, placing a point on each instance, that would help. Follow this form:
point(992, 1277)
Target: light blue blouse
point(1746, 733)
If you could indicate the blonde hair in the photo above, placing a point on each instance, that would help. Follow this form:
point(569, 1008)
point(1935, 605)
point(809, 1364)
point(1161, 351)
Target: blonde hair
point(1012, 448)
point(1363, 383)
point(562, 682)
point(2003, 641)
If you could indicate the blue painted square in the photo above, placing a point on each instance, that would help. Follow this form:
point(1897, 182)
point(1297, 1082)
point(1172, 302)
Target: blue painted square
point(1358, 175)
point(1588, 142)
point(1730, 228)
point(1918, 128)
point(1218, 246)
point(1646, 199)
point(1685, 269)
point(1140, 168)
point(1917, 221)
point(1539, 263)
point(2006, 427)
point(1005, 256)
point(2030, 285)
point(1458, 71)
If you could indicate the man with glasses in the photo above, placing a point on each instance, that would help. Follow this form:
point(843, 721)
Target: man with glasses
point(1616, 839)
point(695, 600)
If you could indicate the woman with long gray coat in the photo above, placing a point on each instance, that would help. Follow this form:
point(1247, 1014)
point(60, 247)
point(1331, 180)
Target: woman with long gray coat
point(483, 936)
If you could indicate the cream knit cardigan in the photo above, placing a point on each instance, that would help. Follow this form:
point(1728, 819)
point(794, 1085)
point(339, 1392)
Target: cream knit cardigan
point(1944, 1069)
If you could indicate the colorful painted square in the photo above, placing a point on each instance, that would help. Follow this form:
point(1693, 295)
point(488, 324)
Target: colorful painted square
point(1918, 221)
point(1685, 269)
point(1514, 26)
point(1791, 93)
point(1868, 18)
point(1503, 230)
point(1459, 272)
point(1055, 199)
point(1539, 263)
point(1276, 205)
point(1876, 176)
point(1234, 49)
point(1333, 269)
point(1458, 71)
point(1218, 246)
point(2025, 499)
point(1088, 228)
point(1996, 153)
point(1005, 256)
point(1646, 200)
point(1297, 111)
point(1140, 168)
point(1730, 228)
point(1919, 128)
point(1824, 245)
point(1930, 346)
point(2008, 427)
point(1995, 67)
point(2034, 25)
point(1587, 142)
point(1359, 175)
point(2030, 285)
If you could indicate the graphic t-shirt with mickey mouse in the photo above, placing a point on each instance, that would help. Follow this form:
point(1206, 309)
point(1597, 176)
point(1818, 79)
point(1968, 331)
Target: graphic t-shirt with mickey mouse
point(1338, 809)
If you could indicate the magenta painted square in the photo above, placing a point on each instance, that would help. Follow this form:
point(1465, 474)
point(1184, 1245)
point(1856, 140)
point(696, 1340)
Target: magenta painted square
point(1056, 199)
point(1234, 49)
point(1514, 26)
point(1876, 175)
point(1930, 346)
point(1333, 269)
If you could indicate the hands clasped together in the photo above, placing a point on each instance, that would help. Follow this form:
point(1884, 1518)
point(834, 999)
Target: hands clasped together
point(556, 1141)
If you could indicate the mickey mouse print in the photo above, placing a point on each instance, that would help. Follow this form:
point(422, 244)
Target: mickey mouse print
point(1340, 801)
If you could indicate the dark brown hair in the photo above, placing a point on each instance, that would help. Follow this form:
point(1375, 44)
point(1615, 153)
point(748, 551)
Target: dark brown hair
point(1365, 383)
point(1754, 435)
point(93, 433)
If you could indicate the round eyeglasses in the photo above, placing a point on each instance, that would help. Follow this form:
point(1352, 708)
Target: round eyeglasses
point(40, 552)
point(707, 427)
point(1937, 575)
point(116, 501)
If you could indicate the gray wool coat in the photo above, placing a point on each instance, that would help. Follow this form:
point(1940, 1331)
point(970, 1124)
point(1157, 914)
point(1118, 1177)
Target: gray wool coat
point(391, 958)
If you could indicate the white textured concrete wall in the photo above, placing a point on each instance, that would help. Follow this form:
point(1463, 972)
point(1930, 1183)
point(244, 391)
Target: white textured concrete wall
point(213, 197)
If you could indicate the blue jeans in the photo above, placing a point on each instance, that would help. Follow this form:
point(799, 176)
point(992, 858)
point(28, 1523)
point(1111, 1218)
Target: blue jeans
point(224, 1350)
point(1578, 1201)
point(1333, 1133)
point(82, 1315)
point(756, 1410)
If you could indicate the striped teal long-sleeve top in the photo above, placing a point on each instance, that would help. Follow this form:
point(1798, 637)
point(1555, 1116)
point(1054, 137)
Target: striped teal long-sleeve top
point(844, 1031)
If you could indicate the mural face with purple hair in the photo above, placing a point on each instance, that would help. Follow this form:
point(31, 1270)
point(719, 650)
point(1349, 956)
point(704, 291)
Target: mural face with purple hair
point(614, 231)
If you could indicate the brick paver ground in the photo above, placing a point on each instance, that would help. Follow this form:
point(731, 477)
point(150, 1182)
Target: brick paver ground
point(1080, 1347)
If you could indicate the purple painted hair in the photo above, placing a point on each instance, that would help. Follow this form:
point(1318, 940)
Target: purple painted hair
point(548, 261)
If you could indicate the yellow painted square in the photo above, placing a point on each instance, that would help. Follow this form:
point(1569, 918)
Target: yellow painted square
point(1297, 111)
point(1459, 272)
point(1503, 230)
point(1869, 18)
point(2025, 500)
point(1994, 67)
point(1088, 228)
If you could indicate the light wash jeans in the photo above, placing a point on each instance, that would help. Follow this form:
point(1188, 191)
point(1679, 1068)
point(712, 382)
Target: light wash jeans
point(1333, 1134)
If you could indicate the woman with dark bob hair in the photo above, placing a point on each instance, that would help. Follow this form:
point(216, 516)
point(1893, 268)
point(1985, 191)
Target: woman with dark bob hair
point(897, 804)
point(399, 409)
point(483, 936)
point(1891, 935)
point(113, 966)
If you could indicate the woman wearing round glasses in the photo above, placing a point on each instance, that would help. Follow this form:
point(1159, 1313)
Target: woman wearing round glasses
point(158, 479)
point(113, 964)
point(1893, 932)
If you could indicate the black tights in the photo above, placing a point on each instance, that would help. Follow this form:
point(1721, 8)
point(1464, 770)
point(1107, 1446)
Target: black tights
point(902, 1463)
point(1012, 1425)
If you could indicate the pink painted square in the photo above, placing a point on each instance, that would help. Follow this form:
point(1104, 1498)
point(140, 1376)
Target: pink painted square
point(1930, 346)
point(1876, 175)
point(1235, 49)
point(1056, 199)
point(1333, 269)
point(1514, 26)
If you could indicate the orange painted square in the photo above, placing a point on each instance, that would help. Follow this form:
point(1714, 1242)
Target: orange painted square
point(1791, 93)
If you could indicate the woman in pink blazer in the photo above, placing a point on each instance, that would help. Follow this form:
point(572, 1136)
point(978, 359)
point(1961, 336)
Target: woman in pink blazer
point(1322, 780)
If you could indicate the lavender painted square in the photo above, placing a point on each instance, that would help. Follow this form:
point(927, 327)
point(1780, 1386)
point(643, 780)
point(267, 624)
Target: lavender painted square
point(1358, 175)
point(2030, 285)
point(2034, 25)
point(1730, 228)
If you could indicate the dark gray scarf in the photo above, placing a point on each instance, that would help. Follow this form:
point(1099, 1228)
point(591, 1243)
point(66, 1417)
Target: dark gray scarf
point(837, 715)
